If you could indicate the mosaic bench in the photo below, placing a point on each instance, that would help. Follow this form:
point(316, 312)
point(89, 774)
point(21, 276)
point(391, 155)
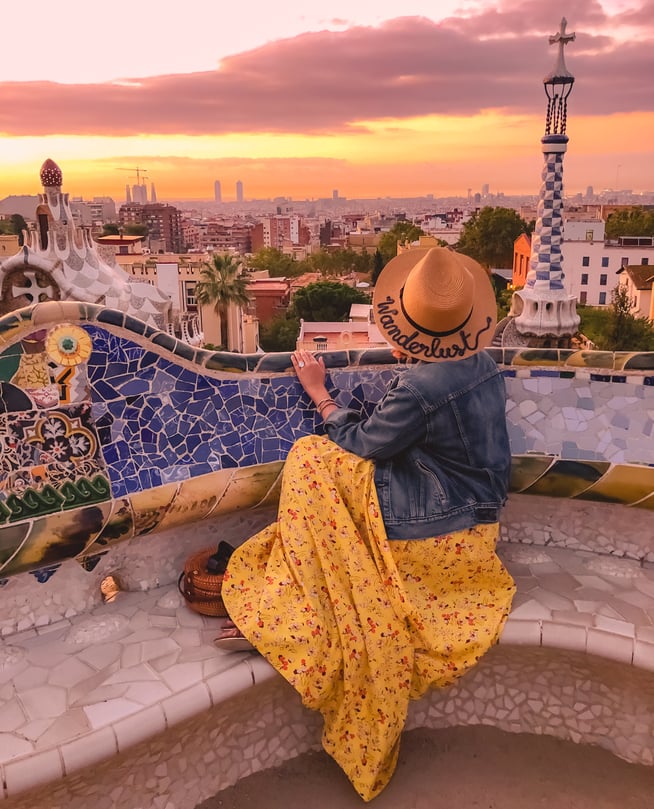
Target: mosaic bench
point(124, 450)
point(131, 706)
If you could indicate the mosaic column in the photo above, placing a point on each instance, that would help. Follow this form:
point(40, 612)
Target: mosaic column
point(544, 313)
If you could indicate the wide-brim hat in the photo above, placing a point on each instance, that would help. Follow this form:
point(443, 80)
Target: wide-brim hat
point(435, 304)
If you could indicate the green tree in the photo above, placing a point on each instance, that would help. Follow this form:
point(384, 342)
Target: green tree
point(504, 298)
point(14, 226)
point(488, 236)
point(110, 229)
point(615, 328)
point(635, 221)
point(324, 262)
point(339, 262)
point(18, 224)
point(280, 334)
point(277, 264)
point(136, 229)
point(626, 332)
point(402, 231)
point(327, 301)
point(377, 267)
point(221, 285)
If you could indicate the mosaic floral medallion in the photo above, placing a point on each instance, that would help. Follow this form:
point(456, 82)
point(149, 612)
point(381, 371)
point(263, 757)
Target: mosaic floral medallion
point(68, 345)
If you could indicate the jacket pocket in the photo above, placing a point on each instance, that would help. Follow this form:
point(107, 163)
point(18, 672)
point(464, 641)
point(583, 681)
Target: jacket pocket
point(432, 498)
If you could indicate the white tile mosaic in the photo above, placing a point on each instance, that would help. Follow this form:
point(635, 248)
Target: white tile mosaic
point(139, 726)
point(91, 748)
point(40, 768)
point(86, 701)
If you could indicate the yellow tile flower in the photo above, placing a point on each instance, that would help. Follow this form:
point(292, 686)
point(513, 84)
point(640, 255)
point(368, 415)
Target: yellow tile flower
point(68, 344)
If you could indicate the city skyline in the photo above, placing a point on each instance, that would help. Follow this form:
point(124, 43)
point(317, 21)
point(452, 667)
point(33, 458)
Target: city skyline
point(426, 103)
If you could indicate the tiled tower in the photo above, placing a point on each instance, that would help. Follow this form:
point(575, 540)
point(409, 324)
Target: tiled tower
point(544, 314)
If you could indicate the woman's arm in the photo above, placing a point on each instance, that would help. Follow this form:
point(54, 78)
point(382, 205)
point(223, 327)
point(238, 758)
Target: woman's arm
point(396, 423)
point(312, 374)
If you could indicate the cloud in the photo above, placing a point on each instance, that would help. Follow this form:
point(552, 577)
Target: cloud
point(331, 81)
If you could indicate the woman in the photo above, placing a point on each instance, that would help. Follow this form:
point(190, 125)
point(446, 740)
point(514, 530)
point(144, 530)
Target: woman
point(379, 579)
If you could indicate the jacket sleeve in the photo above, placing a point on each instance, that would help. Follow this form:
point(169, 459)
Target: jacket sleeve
point(396, 423)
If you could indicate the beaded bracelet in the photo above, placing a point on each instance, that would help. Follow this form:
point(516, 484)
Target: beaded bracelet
point(325, 405)
point(324, 402)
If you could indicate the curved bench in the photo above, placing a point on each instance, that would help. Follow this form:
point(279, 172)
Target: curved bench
point(129, 703)
point(132, 706)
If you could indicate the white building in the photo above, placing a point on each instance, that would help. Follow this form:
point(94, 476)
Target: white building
point(638, 283)
point(592, 265)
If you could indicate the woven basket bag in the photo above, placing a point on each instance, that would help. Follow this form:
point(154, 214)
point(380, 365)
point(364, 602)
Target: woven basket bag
point(201, 589)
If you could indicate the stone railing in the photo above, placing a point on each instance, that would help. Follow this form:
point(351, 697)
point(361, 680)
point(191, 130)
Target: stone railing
point(125, 450)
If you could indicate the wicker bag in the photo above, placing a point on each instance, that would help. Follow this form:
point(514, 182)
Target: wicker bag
point(201, 588)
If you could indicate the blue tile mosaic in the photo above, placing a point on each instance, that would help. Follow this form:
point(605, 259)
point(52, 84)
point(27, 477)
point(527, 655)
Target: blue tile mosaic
point(155, 418)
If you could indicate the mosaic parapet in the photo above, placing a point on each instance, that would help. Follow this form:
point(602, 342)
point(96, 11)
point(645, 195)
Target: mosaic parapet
point(111, 429)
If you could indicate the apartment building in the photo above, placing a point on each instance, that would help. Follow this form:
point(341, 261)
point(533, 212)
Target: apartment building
point(227, 236)
point(591, 264)
point(177, 276)
point(164, 223)
point(279, 232)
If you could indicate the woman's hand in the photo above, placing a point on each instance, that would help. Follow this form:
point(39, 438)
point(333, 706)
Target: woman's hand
point(311, 373)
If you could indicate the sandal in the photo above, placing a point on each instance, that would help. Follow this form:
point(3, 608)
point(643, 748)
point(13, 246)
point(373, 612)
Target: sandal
point(232, 640)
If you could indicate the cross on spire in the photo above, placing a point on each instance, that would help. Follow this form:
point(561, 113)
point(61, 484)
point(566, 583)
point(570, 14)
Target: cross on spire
point(562, 39)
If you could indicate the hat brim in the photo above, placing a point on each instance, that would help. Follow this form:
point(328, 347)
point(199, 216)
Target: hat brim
point(396, 329)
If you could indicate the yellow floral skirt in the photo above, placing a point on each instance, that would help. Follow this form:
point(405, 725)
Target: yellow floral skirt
point(357, 623)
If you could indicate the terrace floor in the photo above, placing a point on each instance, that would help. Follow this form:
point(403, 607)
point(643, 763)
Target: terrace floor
point(133, 698)
point(467, 767)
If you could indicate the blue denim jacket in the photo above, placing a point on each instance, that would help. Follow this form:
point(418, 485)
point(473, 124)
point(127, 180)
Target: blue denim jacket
point(439, 442)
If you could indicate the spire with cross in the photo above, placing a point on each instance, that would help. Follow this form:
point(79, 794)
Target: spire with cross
point(546, 314)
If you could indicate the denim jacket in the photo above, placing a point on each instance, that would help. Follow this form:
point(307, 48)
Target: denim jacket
point(439, 443)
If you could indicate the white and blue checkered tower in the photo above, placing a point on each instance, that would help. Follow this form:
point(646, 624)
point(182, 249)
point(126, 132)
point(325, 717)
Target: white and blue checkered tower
point(545, 315)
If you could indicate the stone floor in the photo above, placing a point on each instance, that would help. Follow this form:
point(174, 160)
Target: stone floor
point(468, 768)
point(79, 692)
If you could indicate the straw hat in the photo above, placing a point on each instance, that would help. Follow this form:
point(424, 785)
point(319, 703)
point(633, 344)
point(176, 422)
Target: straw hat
point(435, 304)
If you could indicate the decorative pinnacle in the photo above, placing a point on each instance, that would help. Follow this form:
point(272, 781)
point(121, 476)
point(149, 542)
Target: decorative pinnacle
point(561, 38)
point(51, 176)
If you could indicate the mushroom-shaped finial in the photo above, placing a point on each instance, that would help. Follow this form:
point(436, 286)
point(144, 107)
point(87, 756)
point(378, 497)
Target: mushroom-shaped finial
point(51, 176)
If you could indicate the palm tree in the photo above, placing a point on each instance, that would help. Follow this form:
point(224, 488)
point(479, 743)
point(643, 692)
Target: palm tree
point(222, 285)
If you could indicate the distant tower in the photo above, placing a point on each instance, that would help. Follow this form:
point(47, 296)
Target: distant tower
point(153, 193)
point(335, 193)
point(140, 193)
point(485, 189)
point(217, 193)
point(128, 195)
point(545, 315)
point(239, 191)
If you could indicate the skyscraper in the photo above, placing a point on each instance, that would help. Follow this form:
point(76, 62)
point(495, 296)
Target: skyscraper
point(239, 191)
point(217, 193)
point(140, 193)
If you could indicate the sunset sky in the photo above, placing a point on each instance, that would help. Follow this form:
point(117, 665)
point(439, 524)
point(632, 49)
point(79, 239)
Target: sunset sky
point(298, 98)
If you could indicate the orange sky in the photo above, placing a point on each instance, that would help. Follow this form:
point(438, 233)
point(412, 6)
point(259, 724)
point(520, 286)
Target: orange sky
point(374, 105)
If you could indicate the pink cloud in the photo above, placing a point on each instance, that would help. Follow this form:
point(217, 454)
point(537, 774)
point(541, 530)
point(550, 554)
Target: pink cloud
point(328, 81)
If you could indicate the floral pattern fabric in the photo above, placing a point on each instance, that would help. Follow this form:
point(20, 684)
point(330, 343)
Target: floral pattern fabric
point(356, 623)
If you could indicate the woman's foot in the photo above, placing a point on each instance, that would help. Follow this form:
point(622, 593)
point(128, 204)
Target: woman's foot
point(231, 639)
